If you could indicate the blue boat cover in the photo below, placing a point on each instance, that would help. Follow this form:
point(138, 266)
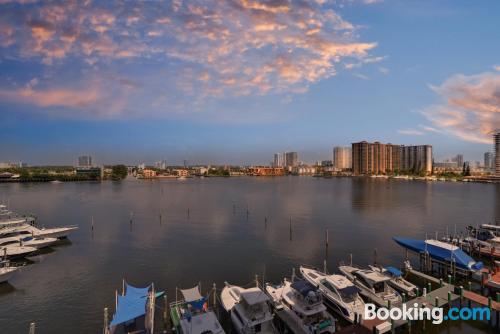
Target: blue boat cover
point(130, 306)
point(461, 259)
point(303, 287)
point(198, 304)
point(394, 271)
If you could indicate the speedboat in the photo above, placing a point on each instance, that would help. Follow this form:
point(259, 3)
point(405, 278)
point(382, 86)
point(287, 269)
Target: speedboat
point(16, 251)
point(248, 308)
point(396, 280)
point(338, 292)
point(191, 315)
point(373, 285)
point(6, 271)
point(29, 241)
point(300, 306)
point(28, 230)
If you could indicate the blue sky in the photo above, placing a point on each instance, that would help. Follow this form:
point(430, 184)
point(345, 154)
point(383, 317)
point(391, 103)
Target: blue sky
point(235, 81)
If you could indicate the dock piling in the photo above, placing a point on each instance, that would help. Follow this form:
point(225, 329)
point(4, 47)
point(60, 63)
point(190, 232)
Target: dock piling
point(32, 328)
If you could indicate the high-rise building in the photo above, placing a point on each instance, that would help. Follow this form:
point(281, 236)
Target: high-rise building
point(342, 157)
point(459, 160)
point(496, 141)
point(377, 158)
point(489, 160)
point(85, 161)
point(278, 160)
point(291, 159)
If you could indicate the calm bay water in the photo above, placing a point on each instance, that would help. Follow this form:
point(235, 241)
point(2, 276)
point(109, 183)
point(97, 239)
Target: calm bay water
point(213, 230)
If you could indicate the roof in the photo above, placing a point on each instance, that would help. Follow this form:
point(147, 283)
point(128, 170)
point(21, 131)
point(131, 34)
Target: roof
point(374, 276)
point(394, 271)
point(303, 287)
point(191, 295)
point(130, 306)
point(254, 296)
point(339, 281)
point(440, 251)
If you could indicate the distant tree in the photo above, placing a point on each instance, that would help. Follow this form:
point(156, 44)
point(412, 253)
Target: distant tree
point(119, 172)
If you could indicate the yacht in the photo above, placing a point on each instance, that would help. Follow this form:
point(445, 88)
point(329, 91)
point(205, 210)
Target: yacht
point(6, 271)
point(248, 308)
point(35, 232)
point(299, 304)
point(373, 285)
point(29, 241)
point(338, 292)
point(191, 315)
point(396, 280)
point(16, 251)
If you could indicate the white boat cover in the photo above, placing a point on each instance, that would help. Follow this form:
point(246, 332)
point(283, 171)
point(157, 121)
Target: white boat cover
point(191, 295)
point(254, 296)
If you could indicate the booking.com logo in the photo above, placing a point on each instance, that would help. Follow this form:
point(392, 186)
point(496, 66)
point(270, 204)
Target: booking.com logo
point(436, 314)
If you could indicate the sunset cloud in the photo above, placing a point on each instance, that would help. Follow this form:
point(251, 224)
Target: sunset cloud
point(229, 48)
point(470, 108)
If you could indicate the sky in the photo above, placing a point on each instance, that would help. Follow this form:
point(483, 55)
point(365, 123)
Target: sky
point(234, 81)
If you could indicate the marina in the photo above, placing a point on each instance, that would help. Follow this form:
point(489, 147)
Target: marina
point(181, 249)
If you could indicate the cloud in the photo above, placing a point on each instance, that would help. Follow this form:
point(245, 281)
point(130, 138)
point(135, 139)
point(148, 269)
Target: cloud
point(410, 132)
point(470, 108)
point(229, 48)
point(496, 67)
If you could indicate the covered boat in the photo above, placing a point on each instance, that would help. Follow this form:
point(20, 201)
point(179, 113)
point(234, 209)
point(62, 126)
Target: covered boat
point(441, 251)
point(134, 310)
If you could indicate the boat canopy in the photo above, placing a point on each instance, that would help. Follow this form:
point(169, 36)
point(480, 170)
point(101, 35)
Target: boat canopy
point(441, 251)
point(254, 296)
point(131, 305)
point(303, 287)
point(194, 298)
point(394, 271)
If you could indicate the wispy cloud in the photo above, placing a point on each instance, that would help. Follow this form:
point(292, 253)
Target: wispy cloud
point(470, 108)
point(410, 132)
point(226, 48)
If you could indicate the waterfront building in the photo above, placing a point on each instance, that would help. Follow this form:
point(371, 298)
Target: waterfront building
point(342, 158)
point(85, 161)
point(278, 160)
point(90, 172)
point(459, 160)
point(149, 173)
point(489, 161)
point(161, 164)
point(378, 158)
point(291, 159)
point(496, 141)
point(266, 171)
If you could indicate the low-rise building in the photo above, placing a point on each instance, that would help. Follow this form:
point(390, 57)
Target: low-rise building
point(266, 171)
point(149, 173)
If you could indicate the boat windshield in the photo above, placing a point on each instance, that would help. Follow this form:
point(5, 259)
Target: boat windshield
point(349, 294)
point(379, 287)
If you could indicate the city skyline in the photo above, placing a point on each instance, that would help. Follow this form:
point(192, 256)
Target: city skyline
point(234, 81)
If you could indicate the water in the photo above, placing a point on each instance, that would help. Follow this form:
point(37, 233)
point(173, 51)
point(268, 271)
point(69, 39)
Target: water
point(213, 230)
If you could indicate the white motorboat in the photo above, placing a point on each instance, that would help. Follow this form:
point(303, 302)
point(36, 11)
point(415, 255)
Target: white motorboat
point(191, 315)
point(35, 232)
point(16, 251)
point(396, 280)
point(373, 285)
point(248, 308)
point(300, 306)
point(29, 241)
point(339, 293)
point(6, 271)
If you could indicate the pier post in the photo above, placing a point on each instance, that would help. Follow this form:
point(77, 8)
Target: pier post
point(461, 288)
point(350, 259)
point(215, 295)
point(417, 292)
point(440, 282)
point(489, 307)
point(105, 328)
point(257, 281)
point(290, 228)
point(424, 292)
point(375, 257)
point(403, 295)
point(293, 274)
point(324, 266)
point(449, 298)
point(436, 301)
point(469, 285)
point(165, 313)
point(449, 279)
point(429, 287)
point(32, 328)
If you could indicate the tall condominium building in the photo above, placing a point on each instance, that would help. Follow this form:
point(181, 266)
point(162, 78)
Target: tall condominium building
point(489, 160)
point(459, 159)
point(378, 158)
point(496, 141)
point(85, 161)
point(278, 160)
point(291, 159)
point(342, 157)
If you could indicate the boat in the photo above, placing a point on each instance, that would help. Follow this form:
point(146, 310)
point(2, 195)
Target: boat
point(493, 279)
point(493, 228)
point(135, 310)
point(248, 308)
point(16, 251)
point(441, 251)
point(24, 230)
point(7, 271)
point(299, 305)
point(339, 293)
point(396, 280)
point(373, 285)
point(29, 241)
point(191, 314)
